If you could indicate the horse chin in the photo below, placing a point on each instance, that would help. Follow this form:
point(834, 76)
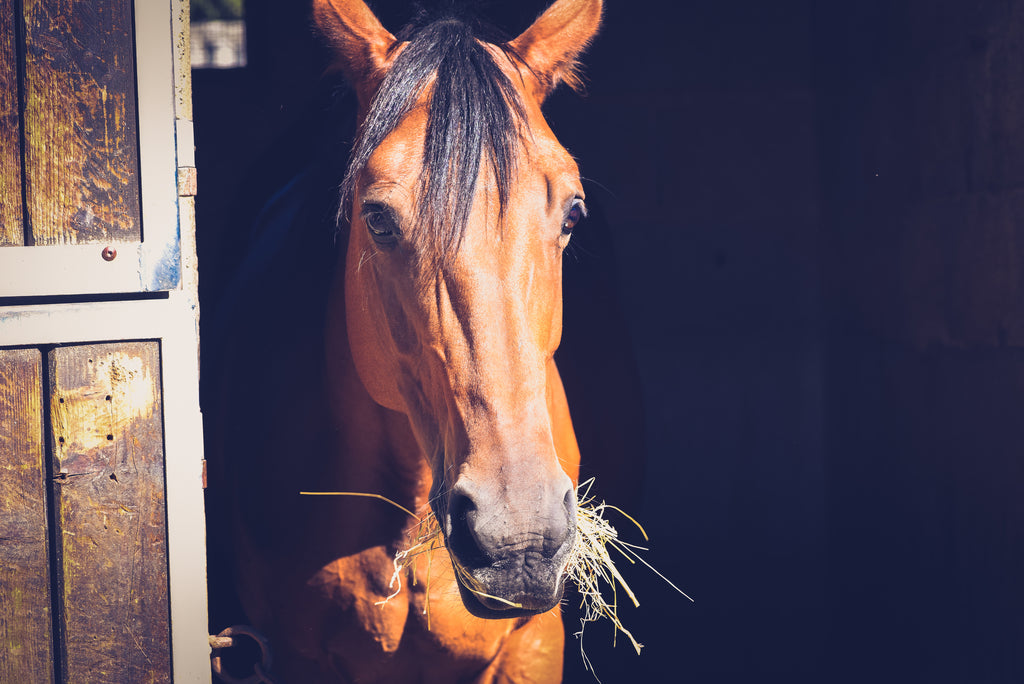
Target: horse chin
point(494, 599)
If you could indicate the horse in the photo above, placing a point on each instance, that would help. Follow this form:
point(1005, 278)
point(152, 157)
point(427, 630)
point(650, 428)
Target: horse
point(416, 364)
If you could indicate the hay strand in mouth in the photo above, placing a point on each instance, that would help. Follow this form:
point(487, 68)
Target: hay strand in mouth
point(370, 496)
point(590, 565)
point(427, 540)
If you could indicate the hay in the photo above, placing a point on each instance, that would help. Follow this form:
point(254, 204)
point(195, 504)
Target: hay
point(369, 496)
point(590, 565)
point(427, 539)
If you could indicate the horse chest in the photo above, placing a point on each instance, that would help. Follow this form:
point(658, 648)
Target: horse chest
point(380, 638)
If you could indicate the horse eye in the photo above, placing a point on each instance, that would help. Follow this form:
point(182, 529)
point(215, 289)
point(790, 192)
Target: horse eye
point(577, 212)
point(380, 224)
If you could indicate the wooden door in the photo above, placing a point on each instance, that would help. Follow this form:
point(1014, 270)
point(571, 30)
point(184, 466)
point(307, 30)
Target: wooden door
point(102, 545)
point(86, 518)
point(87, 158)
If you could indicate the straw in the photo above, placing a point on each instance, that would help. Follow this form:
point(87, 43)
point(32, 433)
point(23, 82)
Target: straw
point(591, 566)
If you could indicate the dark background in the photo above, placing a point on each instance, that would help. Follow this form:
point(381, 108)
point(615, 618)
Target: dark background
point(801, 303)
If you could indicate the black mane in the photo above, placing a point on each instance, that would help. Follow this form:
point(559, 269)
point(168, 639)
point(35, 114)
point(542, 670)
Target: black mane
point(473, 109)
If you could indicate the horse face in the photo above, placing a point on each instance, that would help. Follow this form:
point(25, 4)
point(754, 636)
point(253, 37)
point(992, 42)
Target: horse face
point(461, 338)
point(464, 349)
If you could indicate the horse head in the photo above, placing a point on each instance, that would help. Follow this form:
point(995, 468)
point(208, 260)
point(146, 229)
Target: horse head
point(460, 202)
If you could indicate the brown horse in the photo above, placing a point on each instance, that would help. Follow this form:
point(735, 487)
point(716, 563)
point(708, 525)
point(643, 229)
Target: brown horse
point(425, 374)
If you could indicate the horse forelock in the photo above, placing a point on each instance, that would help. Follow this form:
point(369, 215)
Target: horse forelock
point(473, 112)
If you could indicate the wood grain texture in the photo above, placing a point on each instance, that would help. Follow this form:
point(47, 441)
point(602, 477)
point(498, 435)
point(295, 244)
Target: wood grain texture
point(81, 153)
point(11, 232)
point(25, 633)
point(111, 525)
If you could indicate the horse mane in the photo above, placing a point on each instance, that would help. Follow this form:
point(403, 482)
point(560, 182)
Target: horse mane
point(474, 110)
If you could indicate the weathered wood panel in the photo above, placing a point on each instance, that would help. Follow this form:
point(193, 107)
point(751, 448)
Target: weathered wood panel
point(10, 130)
point(110, 514)
point(25, 634)
point(81, 153)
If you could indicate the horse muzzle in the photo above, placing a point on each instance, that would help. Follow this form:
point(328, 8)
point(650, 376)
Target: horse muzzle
point(510, 552)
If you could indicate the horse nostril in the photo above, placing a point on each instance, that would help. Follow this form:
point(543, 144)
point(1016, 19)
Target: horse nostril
point(564, 531)
point(460, 507)
point(461, 538)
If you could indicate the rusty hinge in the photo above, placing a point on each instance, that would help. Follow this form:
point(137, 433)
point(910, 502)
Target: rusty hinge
point(229, 638)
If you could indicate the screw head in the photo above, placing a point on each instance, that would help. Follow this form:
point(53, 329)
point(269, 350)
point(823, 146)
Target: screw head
point(108, 253)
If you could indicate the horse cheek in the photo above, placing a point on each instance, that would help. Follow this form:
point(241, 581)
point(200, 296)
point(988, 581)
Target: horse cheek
point(366, 330)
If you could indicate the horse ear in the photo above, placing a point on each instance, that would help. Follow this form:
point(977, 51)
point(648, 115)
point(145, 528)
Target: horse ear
point(551, 45)
point(361, 43)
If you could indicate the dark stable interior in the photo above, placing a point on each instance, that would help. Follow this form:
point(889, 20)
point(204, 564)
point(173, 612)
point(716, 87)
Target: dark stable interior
point(794, 322)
